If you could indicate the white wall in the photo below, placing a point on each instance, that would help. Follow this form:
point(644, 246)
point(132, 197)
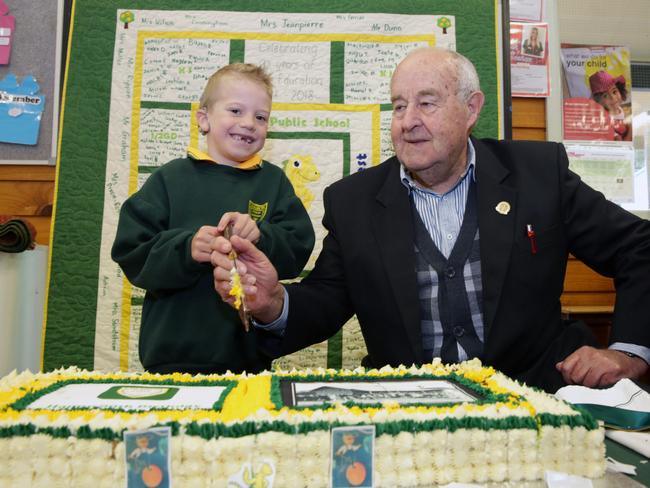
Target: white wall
point(610, 22)
point(22, 294)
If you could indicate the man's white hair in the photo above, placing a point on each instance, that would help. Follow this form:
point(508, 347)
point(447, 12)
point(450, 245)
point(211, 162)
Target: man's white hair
point(468, 81)
point(467, 77)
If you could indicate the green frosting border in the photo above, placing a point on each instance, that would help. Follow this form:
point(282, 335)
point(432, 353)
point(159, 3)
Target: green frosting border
point(209, 430)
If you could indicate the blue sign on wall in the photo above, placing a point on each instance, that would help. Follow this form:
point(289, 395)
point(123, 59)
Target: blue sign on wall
point(21, 108)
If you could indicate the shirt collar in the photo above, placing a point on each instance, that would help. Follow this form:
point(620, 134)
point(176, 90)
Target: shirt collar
point(410, 184)
point(252, 163)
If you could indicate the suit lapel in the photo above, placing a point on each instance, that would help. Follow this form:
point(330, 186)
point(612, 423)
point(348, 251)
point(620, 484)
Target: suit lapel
point(496, 227)
point(393, 230)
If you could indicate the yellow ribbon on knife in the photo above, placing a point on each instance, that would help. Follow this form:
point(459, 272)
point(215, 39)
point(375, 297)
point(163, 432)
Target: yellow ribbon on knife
point(237, 289)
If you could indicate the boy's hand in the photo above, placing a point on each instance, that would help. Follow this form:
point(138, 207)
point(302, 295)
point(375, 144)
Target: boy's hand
point(242, 225)
point(201, 243)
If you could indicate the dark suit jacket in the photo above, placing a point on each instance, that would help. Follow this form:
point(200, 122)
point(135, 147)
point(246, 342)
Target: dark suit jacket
point(367, 265)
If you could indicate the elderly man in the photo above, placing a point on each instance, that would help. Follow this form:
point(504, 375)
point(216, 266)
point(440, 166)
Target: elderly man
point(457, 248)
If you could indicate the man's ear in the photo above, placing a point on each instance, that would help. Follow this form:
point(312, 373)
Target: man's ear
point(474, 107)
point(202, 120)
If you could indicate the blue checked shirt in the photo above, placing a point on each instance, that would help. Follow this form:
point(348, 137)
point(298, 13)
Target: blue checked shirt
point(442, 214)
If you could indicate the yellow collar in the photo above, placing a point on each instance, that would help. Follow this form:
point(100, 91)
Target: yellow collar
point(252, 163)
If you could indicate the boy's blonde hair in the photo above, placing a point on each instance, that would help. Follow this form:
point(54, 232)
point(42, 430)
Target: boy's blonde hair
point(249, 71)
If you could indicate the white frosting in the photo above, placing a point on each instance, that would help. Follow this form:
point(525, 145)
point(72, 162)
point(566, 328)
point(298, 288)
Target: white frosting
point(407, 459)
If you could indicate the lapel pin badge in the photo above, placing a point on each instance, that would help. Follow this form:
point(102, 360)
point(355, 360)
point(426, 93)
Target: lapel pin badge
point(503, 208)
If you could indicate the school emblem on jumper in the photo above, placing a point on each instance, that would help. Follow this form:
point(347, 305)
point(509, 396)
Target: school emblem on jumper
point(503, 208)
point(257, 211)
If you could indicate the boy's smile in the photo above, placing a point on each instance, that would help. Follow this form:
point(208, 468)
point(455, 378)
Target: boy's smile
point(237, 122)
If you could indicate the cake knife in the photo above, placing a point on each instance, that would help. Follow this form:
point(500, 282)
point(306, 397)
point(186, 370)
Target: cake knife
point(243, 309)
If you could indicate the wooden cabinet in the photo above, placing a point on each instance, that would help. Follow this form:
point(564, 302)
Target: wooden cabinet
point(27, 191)
point(589, 297)
point(529, 119)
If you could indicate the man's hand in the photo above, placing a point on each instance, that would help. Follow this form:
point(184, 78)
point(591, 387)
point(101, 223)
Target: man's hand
point(201, 243)
point(241, 225)
point(593, 367)
point(264, 293)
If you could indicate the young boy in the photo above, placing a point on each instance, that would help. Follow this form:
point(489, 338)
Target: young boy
point(165, 229)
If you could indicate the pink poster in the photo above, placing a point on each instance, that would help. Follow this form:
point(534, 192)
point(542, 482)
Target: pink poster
point(597, 103)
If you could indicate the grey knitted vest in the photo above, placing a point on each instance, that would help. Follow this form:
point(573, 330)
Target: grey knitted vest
point(452, 310)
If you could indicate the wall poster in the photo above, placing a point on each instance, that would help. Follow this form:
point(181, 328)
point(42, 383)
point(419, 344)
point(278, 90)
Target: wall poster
point(597, 89)
point(529, 66)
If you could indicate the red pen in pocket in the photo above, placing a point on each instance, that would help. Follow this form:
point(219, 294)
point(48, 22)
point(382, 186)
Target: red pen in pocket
point(530, 232)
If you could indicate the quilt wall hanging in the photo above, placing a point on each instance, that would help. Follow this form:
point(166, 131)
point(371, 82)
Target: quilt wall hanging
point(134, 75)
